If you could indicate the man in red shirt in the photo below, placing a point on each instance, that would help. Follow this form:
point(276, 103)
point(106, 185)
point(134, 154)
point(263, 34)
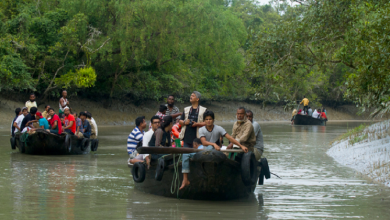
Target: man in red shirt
point(55, 122)
point(322, 114)
point(69, 121)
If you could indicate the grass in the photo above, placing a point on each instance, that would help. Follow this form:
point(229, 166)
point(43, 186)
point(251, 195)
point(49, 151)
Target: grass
point(355, 133)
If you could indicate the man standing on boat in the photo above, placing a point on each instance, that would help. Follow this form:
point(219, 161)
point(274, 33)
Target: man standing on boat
point(244, 133)
point(259, 135)
point(31, 103)
point(63, 103)
point(192, 120)
point(173, 110)
point(305, 102)
point(135, 137)
point(210, 139)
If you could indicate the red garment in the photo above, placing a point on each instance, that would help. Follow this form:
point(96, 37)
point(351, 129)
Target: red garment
point(323, 115)
point(67, 121)
point(59, 125)
point(299, 112)
point(38, 114)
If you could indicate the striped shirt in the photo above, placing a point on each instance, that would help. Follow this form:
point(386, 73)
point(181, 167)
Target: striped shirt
point(134, 138)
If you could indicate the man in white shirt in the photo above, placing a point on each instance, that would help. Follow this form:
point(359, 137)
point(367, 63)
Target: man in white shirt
point(93, 122)
point(31, 103)
point(155, 123)
point(315, 114)
point(18, 121)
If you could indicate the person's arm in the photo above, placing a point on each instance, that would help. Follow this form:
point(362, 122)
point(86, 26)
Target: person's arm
point(77, 129)
point(230, 146)
point(54, 125)
point(30, 122)
point(199, 124)
point(182, 122)
point(234, 141)
point(177, 114)
point(159, 134)
point(16, 125)
point(69, 126)
point(206, 143)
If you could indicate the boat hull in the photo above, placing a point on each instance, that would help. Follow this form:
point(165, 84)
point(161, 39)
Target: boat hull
point(45, 143)
point(209, 180)
point(308, 120)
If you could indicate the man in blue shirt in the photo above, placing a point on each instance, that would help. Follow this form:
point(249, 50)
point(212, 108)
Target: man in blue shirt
point(85, 130)
point(135, 137)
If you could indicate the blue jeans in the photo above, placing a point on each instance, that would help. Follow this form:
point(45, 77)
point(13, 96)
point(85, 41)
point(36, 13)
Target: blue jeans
point(186, 160)
point(187, 145)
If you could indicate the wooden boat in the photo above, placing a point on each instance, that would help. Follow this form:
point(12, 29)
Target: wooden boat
point(308, 120)
point(45, 143)
point(213, 175)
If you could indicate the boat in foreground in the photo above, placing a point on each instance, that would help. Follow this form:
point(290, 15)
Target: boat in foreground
point(308, 120)
point(45, 143)
point(213, 176)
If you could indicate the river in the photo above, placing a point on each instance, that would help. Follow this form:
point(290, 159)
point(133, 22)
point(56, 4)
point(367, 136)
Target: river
point(99, 185)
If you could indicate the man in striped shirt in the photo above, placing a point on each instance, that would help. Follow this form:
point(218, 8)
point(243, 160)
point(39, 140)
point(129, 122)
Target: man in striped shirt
point(136, 137)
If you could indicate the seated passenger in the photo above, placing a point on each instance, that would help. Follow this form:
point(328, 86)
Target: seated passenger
point(93, 126)
point(259, 135)
point(78, 124)
point(155, 122)
point(43, 123)
point(315, 114)
point(135, 140)
point(244, 133)
point(55, 122)
point(28, 120)
point(162, 136)
point(293, 116)
point(69, 122)
point(210, 138)
point(85, 130)
point(299, 111)
point(323, 115)
point(309, 111)
point(45, 114)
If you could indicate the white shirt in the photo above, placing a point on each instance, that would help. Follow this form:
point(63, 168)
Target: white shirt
point(145, 141)
point(19, 122)
point(315, 114)
point(30, 104)
point(94, 123)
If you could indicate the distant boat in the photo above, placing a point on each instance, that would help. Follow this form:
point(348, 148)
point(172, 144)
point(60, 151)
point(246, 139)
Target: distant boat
point(213, 175)
point(44, 143)
point(308, 120)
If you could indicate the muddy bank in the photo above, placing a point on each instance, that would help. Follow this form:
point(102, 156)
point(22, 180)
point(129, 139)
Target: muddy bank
point(124, 112)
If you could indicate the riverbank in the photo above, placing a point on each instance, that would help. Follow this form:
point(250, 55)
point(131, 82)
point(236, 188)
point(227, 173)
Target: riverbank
point(123, 112)
point(366, 149)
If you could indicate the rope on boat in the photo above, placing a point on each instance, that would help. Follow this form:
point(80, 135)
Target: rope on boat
point(275, 175)
point(175, 180)
point(24, 138)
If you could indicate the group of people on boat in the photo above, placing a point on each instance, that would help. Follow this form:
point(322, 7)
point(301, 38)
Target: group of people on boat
point(317, 113)
point(29, 119)
point(196, 129)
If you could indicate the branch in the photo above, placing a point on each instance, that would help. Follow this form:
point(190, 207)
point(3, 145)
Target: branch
point(55, 75)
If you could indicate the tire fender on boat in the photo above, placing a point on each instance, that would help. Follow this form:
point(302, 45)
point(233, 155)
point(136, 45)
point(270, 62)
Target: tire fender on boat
point(13, 143)
point(265, 168)
point(138, 172)
point(94, 144)
point(84, 144)
point(160, 169)
point(68, 144)
point(249, 169)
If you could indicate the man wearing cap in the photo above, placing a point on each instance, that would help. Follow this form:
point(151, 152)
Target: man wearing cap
point(192, 120)
point(43, 123)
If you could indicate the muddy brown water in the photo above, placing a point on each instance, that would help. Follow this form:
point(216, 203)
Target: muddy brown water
point(99, 186)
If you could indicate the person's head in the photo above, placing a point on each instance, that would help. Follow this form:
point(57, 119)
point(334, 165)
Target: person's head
point(196, 143)
point(319, 110)
point(208, 118)
point(195, 97)
point(66, 111)
point(89, 115)
point(163, 109)
point(241, 113)
point(140, 122)
point(74, 114)
point(83, 116)
point(51, 111)
point(64, 93)
point(294, 111)
point(47, 108)
point(38, 115)
point(166, 123)
point(249, 115)
point(18, 111)
point(304, 96)
point(33, 110)
point(171, 100)
point(32, 97)
point(24, 111)
point(155, 122)
point(309, 107)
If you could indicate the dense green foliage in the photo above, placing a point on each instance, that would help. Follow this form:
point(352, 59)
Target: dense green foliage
point(332, 51)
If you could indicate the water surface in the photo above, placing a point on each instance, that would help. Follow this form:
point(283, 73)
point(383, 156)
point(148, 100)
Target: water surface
point(99, 185)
